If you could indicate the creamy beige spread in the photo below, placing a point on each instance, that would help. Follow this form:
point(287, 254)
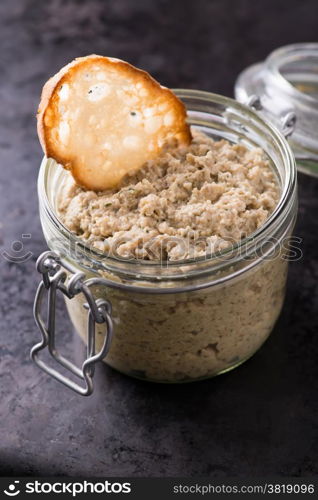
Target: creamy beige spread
point(208, 194)
point(180, 337)
point(190, 201)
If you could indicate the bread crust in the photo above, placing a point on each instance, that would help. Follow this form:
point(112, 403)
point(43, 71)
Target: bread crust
point(49, 118)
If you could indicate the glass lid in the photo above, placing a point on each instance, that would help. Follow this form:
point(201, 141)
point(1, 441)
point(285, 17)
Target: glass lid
point(285, 89)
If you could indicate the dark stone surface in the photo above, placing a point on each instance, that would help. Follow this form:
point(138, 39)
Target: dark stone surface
point(260, 419)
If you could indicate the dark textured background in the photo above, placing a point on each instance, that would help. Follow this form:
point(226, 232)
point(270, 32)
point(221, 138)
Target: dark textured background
point(260, 419)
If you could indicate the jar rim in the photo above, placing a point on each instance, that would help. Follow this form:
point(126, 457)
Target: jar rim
point(207, 263)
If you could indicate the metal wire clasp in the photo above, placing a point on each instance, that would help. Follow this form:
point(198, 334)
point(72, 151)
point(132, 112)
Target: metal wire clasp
point(288, 121)
point(99, 311)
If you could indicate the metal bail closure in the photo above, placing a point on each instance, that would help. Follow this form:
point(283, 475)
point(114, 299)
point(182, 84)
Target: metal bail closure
point(99, 311)
point(288, 121)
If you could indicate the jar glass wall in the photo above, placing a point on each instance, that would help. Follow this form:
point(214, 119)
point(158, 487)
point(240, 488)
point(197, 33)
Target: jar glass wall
point(188, 320)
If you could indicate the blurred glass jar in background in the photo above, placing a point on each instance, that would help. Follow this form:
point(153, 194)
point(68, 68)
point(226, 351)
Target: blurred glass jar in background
point(287, 82)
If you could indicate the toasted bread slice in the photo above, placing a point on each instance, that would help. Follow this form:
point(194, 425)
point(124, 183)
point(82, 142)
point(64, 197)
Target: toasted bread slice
point(102, 118)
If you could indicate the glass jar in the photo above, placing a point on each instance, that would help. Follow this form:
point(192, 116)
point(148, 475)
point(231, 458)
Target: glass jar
point(287, 82)
point(172, 321)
